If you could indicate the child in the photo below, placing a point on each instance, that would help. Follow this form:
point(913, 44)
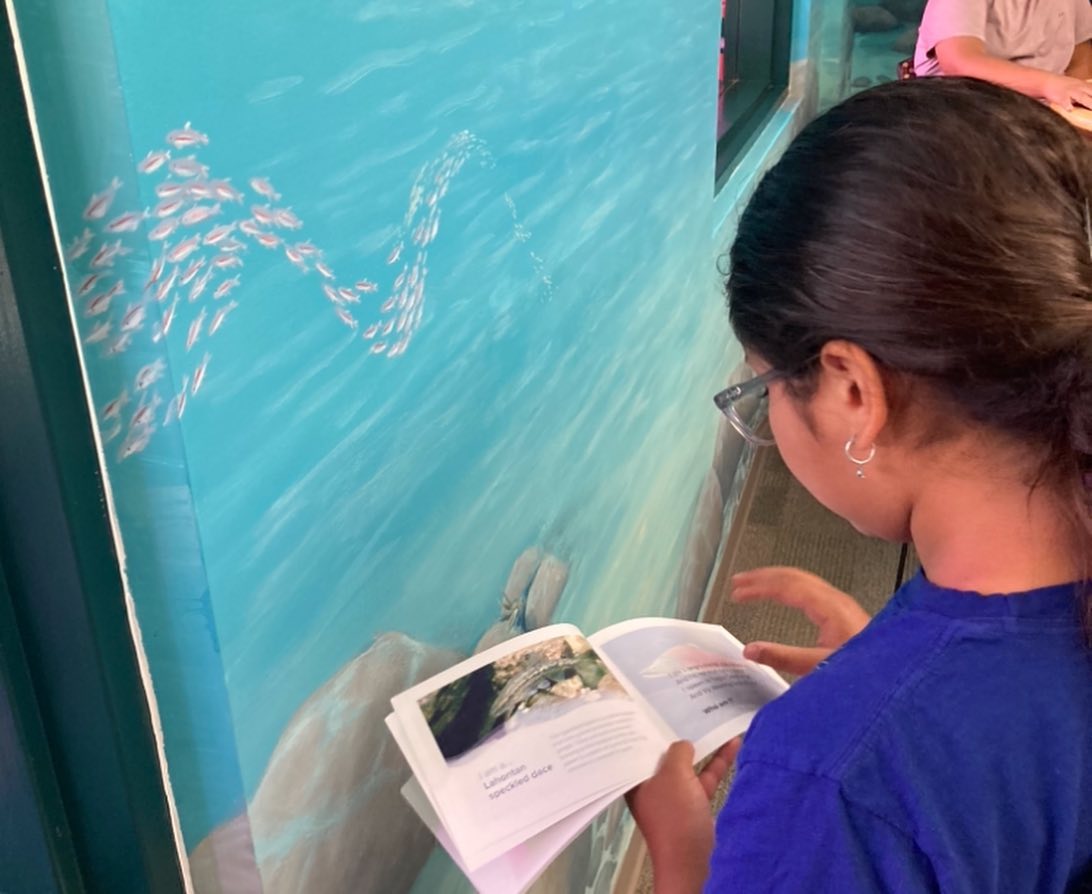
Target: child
point(913, 284)
point(1038, 47)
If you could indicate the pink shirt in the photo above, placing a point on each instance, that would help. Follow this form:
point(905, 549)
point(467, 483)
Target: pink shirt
point(1037, 33)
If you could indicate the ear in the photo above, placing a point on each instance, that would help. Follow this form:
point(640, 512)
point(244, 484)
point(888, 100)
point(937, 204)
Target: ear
point(853, 392)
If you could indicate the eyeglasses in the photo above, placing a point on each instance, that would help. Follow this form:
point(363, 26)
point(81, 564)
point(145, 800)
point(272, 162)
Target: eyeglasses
point(727, 399)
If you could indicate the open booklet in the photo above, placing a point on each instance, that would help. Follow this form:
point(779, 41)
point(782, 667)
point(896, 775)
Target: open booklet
point(516, 750)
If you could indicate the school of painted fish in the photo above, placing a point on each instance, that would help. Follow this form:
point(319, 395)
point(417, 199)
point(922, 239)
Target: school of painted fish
point(200, 231)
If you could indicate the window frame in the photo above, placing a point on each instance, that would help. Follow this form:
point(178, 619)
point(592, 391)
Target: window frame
point(756, 53)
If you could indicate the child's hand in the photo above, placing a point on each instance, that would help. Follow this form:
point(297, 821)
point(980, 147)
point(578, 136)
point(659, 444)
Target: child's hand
point(672, 812)
point(837, 615)
point(1065, 92)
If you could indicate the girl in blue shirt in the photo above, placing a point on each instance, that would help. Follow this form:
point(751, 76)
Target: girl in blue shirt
point(912, 282)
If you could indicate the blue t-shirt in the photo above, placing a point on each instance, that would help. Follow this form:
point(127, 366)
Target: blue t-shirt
point(948, 747)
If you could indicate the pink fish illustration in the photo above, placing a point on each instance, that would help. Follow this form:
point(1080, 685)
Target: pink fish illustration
point(163, 229)
point(100, 202)
point(200, 213)
point(133, 320)
point(286, 218)
point(268, 240)
point(325, 271)
point(348, 295)
point(184, 249)
point(148, 375)
point(232, 245)
point(105, 256)
point(371, 331)
point(153, 161)
point(187, 136)
point(307, 249)
point(99, 304)
point(88, 283)
point(389, 328)
point(165, 321)
point(331, 293)
point(265, 215)
point(434, 228)
point(395, 254)
point(120, 344)
point(387, 306)
point(224, 191)
point(143, 414)
point(347, 318)
point(79, 245)
point(198, 288)
point(195, 330)
point(112, 409)
point(264, 188)
point(168, 207)
point(135, 442)
point(378, 348)
point(414, 273)
point(156, 272)
point(221, 315)
point(127, 222)
point(224, 262)
point(219, 233)
point(166, 286)
point(296, 258)
point(169, 189)
point(367, 287)
point(250, 227)
point(188, 166)
point(177, 406)
point(99, 332)
point(399, 281)
point(200, 189)
point(191, 271)
point(199, 375)
point(225, 287)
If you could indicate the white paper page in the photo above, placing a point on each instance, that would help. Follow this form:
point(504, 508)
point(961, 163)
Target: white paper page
point(522, 736)
point(693, 676)
point(515, 871)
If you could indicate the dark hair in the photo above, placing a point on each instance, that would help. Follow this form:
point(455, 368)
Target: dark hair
point(941, 224)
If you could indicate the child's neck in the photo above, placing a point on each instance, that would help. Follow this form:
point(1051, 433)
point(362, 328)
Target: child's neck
point(991, 536)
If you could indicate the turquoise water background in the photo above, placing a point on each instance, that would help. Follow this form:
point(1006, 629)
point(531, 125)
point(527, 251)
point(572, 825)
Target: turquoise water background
point(557, 393)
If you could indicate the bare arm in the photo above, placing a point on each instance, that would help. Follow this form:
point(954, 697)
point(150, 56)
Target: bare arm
point(1080, 66)
point(968, 57)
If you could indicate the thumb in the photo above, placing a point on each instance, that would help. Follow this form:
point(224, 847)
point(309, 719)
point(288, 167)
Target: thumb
point(678, 758)
point(787, 659)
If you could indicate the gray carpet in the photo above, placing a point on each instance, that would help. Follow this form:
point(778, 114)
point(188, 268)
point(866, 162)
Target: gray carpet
point(779, 523)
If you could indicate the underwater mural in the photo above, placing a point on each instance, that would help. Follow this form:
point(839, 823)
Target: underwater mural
point(401, 322)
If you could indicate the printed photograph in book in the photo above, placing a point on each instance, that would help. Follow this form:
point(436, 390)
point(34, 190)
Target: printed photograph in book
point(689, 676)
point(534, 684)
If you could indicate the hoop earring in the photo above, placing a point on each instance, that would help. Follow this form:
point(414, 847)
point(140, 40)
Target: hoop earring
point(859, 463)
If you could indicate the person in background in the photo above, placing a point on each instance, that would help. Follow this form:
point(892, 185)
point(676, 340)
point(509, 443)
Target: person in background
point(1040, 48)
point(912, 283)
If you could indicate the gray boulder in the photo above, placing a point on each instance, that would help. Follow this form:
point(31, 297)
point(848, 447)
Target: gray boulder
point(869, 19)
point(500, 632)
point(906, 42)
point(905, 10)
point(328, 815)
point(545, 592)
point(519, 579)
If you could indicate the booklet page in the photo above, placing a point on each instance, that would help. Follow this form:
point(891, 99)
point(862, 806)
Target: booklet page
point(521, 736)
point(694, 676)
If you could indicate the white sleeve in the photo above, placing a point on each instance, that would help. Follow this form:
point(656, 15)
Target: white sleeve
point(1082, 22)
point(944, 19)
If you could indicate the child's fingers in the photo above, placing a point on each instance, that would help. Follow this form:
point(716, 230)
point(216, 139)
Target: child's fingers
point(787, 659)
point(717, 768)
